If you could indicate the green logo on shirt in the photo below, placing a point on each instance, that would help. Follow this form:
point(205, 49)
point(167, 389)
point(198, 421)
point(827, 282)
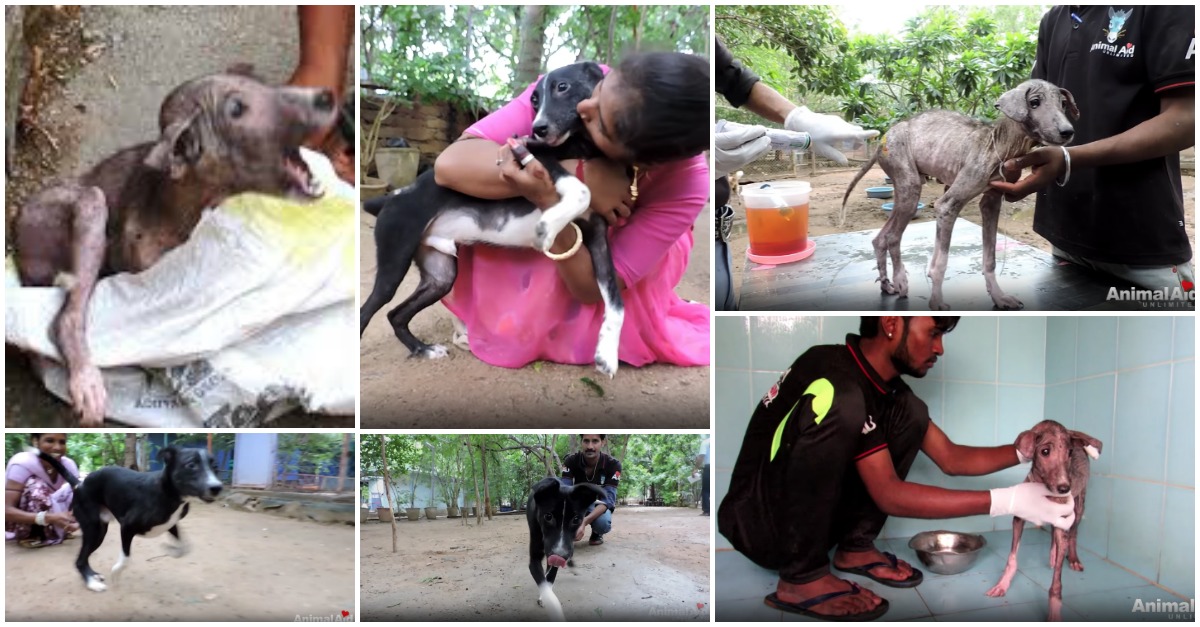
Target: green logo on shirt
point(822, 393)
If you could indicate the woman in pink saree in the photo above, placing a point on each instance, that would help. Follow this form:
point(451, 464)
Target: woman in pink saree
point(37, 500)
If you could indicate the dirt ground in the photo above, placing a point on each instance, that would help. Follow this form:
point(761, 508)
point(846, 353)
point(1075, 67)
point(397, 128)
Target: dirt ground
point(462, 391)
point(243, 567)
point(107, 71)
point(862, 213)
point(653, 566)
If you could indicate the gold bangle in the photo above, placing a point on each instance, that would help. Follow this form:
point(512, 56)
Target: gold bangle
point(574, 248)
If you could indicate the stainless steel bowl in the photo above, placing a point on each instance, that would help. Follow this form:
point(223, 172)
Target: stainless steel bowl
point(947, 552)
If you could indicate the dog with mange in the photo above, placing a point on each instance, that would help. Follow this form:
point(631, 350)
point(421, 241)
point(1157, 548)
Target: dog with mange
point(221, 135)
point(143, 504)
point(966, 155)
point(424, 222)
point(1061, 463)
point(554, 513)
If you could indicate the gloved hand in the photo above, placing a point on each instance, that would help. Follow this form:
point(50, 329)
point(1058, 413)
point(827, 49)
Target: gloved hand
point(827, 131)
point(737, 147)
point(1028, 501)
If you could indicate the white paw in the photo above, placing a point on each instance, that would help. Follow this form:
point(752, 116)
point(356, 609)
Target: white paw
point(437, 351)
point(95, 583)
point(544, 235)
point(178, 550)
point(1009, 302)
point(998, 591)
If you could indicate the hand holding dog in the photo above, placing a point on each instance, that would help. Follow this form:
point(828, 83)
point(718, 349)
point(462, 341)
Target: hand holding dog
point(1028, 501)
point(1047, 163)
point(609, 183)
point(825, 129)
point(532, 181)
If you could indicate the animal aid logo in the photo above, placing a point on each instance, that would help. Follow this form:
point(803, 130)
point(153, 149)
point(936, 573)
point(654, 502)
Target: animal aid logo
point(1117, 22)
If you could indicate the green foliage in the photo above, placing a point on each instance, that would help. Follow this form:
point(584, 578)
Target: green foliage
point(89, 450)
point(958, 58)
point(468, 56)
point(662, 461)
point(317, 451)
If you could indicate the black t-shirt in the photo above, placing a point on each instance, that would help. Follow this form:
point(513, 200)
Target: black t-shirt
point(607, 475)
point(732, 79)
point(1117, 62)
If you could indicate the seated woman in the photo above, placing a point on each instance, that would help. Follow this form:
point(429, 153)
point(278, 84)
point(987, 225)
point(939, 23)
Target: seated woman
point(37, 501)
point(650, 117)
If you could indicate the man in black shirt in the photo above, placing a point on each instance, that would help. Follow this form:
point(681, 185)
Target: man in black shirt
point(591, 465)
point(824, 460)
point(1117, 206)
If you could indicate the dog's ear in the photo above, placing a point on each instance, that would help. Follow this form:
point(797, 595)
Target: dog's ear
point(177, 148)
point(1069, 106)
point(1012, 104)
point(584, 494)
point(1087, 443)
point(168, 455)
point(242, 69)
point(592, 70)
point(546, 490)
point(1025, 444)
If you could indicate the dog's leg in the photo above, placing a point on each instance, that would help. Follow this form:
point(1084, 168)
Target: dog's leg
point(595, 236)
point(393, 259)
point(1010, 568)
point(180, 547)
point(546, 596)
point(82, 213)
point(887, 242)
point(1073, 534)
point(123, 560)
point(1059, 550)
point(949, 207)
point(989, 208)
point(574, 198)
point(93, 536)
point(438, 271)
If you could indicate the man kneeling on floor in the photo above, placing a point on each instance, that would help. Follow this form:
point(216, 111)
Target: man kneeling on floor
point(824, 460)
point(591, 465)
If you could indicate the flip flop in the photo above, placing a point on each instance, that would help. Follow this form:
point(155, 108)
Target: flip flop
point(30, 543)
point(772, 600)
point(865, 570)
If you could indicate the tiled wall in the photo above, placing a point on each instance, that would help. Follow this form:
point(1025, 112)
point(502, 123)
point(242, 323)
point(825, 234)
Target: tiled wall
point(998, 377)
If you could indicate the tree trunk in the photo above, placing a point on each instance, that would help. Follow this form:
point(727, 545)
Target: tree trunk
point(342, 464)
point(487, 492)
point(612, 34)
point(131, 451)
point(387, 486)
point(475, 477)
point(625, 448)
point(143, 453)
point(531, 29)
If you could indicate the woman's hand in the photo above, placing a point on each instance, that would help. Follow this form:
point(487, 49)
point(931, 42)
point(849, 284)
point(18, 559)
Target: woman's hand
point(532, 181)
point(63, 521)
point(609, 184)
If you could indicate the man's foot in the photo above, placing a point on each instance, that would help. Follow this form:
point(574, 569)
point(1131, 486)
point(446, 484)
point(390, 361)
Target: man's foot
point(844, 600)
point(596, 539)
point(882, 567)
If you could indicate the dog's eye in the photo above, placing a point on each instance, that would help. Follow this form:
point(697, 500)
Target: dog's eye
point(1046, 452)
point(549, 517)
point(562, 87)
point(191, 465)
point(235, 108)
point(1034, 103)
point(576, 520)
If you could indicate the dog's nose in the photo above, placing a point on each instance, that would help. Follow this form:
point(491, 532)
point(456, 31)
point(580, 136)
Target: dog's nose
point(1067, 133)
point(214, 490)
point(540, 129)
point(324, 100)
point(1063, 488)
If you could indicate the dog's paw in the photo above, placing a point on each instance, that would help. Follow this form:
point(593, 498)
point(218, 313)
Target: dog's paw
point(885, 286)
point(95, 583)
point(543, 236)
point(178, 550)
point(1076, 565)
point(605, 365)
point(88, 396)
point(900, 284)
point(937, 304)
point(1009, 302)
point(998, 591)
point(437, 351)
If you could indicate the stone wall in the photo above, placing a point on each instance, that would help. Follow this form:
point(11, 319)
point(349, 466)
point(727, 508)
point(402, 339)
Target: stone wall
point(427, 127)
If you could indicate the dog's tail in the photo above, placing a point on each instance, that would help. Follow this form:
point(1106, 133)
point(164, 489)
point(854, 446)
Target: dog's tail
point(858, 177)
point(54, 462)
point(375, 205)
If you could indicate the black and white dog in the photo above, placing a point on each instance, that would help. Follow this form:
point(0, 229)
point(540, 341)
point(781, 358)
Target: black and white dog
point(424, 221)
point(143, 503)
point(554, 513)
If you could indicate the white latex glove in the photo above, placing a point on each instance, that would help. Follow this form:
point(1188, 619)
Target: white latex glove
point(827, 131)
point(734, 148)
point(1028, 501)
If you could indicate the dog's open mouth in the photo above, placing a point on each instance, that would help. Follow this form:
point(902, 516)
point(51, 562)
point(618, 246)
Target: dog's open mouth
point(300, 179)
